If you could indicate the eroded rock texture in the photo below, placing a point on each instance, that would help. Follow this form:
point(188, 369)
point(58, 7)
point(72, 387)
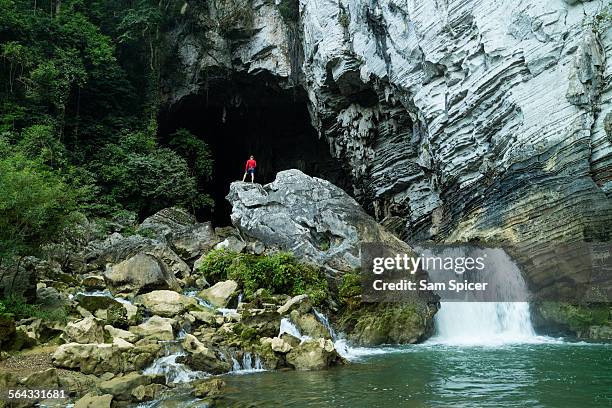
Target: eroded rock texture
point(458, 120)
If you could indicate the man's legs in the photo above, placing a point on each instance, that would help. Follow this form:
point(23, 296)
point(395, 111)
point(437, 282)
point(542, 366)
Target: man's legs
point(252, 177)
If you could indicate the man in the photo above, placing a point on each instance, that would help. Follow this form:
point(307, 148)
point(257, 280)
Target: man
point(250, 168)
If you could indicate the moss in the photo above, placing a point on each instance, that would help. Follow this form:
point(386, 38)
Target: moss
point(350, 286)
point(280, 273)
point(578, 318)
point(373, 324)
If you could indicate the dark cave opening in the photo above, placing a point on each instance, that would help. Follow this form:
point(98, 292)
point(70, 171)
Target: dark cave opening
point(242, 115)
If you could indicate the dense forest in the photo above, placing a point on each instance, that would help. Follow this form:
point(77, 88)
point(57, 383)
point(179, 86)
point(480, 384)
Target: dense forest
point(78, 120)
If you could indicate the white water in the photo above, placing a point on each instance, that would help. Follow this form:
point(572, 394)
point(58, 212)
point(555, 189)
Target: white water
point(286, 326)
point(487, 323)
point(167, 365)
point(249, 364)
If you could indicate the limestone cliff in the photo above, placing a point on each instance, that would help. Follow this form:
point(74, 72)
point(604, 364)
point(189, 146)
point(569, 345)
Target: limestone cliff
point(458, 120)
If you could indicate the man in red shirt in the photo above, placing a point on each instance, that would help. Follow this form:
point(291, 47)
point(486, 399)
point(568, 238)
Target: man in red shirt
point(250, 168)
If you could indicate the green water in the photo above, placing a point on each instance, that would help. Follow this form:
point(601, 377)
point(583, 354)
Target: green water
point(538, 375)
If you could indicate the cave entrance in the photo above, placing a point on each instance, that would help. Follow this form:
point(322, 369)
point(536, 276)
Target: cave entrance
point(242, 115)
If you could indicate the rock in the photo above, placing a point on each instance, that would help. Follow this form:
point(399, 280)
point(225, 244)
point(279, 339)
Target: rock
point(46, 379)
point(557, 318)
point(19, 282)
point(208, 388)
point(147, 392)
point(313, 355)
point(393, 323)
point(121, 387)
point(94, 302)
point(87, 330)
point(310, 217)
point(117, 248)
point(166, 221)
point(89, 358)
point(309, 325)
point(122, 344)
point(49, 298)
point(291, 340)
point(91, 400)
point(600, 332)
point(231, 243)
point(200, 358)
point(299, 302)
point(120, 334)
point(204, 317)
point(166, 303)
point(140, 274)
point(94, 282)
point(194, 240)
point(280, 346)
point(156, 328)
point(221, 293)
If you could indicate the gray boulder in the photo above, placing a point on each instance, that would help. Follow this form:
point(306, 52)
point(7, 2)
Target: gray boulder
point(140, 274)
point(308, 216)
point(166, 221)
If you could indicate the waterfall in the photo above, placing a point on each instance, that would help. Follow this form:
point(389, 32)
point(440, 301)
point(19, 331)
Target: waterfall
point(174, 372)
point(485, 322)
point(286, 326)
point(250, 363)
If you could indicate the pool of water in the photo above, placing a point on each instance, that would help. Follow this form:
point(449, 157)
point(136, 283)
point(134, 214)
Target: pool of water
point(523, 375)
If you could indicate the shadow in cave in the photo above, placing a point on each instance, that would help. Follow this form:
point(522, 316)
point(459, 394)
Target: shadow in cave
point(243, 115)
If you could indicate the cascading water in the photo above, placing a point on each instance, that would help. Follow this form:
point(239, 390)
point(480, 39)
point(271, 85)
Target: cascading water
point(485, 322)
point(168, 366)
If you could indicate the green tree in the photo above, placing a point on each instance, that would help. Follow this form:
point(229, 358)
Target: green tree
point(35, 205)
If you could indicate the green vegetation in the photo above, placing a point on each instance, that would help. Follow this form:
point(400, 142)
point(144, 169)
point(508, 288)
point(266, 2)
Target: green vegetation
point(350, 286)
point(280, 273)
point(19, 309)
point(79, 98)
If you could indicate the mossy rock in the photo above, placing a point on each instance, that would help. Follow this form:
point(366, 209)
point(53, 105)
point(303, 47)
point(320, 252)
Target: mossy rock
point(392, 323)
point(559, 318)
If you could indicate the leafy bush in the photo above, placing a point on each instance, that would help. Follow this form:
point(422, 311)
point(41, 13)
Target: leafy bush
point(350, 286)
point(35, 205)
point(280, 273)
point(20, 309)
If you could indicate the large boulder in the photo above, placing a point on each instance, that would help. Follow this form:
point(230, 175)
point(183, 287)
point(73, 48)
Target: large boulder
point(121, 387)
point(140, 274)
point(313, 354)
point(117, 248)
point(87, 330)
point(221, 293)
point(166, 303)
point(156, 328)
point(388, 323)
point(91, 400)
point(89, 358)
point(193, 241)
point(308, 216)
point(167, 221)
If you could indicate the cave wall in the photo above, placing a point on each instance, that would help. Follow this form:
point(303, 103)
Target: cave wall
point(466, 120)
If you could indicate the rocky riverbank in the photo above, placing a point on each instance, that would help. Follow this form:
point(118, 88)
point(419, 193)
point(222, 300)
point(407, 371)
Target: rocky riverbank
point(174, 303)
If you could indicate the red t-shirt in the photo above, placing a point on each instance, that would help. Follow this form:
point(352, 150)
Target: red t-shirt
point(250, 164)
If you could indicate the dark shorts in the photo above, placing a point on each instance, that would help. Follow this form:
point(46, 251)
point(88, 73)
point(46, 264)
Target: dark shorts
point(251, 171)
